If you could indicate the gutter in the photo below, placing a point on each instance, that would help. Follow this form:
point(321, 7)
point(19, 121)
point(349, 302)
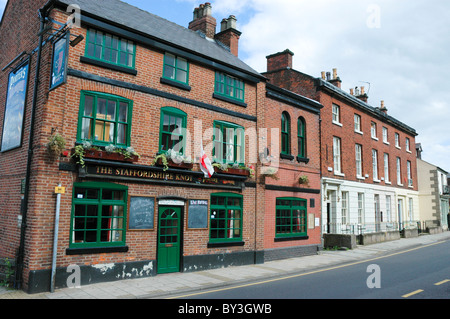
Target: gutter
point(43, 12)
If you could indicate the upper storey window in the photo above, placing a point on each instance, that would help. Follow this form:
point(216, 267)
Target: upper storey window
point(111, 49)
point(229, 87)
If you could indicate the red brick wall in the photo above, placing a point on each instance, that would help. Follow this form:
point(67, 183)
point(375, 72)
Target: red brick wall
point(290, 171)
point(18, 33)
point(61, 113)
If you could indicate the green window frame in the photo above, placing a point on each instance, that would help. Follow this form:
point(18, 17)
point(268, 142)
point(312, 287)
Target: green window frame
point(111, 49)
point(301, 135)
point(104, 119)
point(285, 133)
point(176, 68)
point(172, 132)
point(99, 215)
point(230, 87)
point(226, 217)
point(229, 143)
point(291, 217)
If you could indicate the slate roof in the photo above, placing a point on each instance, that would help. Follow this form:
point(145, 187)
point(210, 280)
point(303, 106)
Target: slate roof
point(131, 17)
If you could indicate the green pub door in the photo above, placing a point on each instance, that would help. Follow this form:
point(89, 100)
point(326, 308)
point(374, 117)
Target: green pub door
point(169, 243)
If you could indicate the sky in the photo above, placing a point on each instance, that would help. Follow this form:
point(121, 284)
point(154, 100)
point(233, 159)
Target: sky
point(397, 49)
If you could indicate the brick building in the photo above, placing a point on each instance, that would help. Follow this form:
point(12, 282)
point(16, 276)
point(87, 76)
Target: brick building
point(134, 101)
point(368, 165)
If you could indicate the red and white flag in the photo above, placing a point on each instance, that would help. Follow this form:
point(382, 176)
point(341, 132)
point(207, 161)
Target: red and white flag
point(205, 165)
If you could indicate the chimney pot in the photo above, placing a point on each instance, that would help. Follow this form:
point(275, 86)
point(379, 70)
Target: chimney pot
point(203, 20)
point(328, 76)
point(352, 92)
point(323, 75)
point(335, 74)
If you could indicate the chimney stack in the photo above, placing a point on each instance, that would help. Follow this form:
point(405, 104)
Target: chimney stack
point(362, 96)
point(280, 60)
point(383, 108)
point(229, 35)
point(204, 21)
point(336, 81)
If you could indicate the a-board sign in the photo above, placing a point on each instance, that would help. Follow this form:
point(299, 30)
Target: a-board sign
point(142, 212)
point(198, 213)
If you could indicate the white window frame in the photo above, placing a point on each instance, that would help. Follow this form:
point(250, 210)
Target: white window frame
point(337, 155)
point(375, 165)
point(336, 116)
point(386, 168)
point(358, 158)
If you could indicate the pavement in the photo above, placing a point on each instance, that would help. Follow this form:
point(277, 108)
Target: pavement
point(169, 285)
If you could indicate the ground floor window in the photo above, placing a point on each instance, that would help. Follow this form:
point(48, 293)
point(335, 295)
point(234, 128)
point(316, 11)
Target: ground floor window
point(226, 217)
point(98, 215)
point(290, 217)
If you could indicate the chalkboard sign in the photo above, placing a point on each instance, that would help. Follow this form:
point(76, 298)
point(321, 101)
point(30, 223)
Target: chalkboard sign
point(142, 212)
point(198, 213)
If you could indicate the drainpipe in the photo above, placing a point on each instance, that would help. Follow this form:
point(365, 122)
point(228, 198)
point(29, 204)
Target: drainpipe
point(55, 241)
point(21, 251)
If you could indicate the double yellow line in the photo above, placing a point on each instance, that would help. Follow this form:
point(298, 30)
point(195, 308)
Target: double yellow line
point(309, 273)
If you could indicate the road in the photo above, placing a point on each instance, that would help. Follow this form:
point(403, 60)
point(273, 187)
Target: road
point(415, 274)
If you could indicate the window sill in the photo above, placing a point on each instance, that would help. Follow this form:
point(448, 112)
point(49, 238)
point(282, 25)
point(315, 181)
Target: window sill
point(339, 174)
point(96, 250)
point(374, 138)
point(286, 156)
point(175, 84)
point(108, 65)
point(225, 244)
point(387, 143)
point(302, 159)
point(279, 239)
point(359, 132)
point(337, 123)
point(229, 100)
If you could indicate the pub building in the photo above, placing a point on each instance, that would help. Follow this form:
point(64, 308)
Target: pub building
point(120, 106)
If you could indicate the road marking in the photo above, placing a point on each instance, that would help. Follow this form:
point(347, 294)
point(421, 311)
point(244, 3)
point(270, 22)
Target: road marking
point(412, 293)
point(442, 282)
point(303, 274)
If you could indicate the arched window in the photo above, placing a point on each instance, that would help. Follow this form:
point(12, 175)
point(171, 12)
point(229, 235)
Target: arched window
point(285, 134)
point(301, 135)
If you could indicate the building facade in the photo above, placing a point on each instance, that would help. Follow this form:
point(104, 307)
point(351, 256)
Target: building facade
point(434, 195)
point(108, 127)
point(368, 165)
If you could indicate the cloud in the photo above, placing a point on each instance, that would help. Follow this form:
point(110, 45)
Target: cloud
point(399, 47)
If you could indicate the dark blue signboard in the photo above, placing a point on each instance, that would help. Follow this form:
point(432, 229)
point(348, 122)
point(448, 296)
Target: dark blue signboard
point(15, 108)
point(59, 62)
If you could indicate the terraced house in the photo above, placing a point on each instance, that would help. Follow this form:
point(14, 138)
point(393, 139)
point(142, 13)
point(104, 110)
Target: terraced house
point(111, 114)
point(368, 163)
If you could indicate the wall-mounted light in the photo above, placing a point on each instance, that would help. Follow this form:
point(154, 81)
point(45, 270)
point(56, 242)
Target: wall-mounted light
point(77, 40)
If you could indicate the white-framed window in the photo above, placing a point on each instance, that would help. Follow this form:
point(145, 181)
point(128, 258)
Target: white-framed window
point(360, 208)
point(373, 130)
point(358, 155)
point(408, 171)
point(375, 164)
point(397, 140)
point(344, 208)
point(410, 209)
point(386, 167)
point(337, 154)
point(336, 114)
point(385, 135)
point(388, 208)
point(399, 172)
point(407, 145)
point(358, 123)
